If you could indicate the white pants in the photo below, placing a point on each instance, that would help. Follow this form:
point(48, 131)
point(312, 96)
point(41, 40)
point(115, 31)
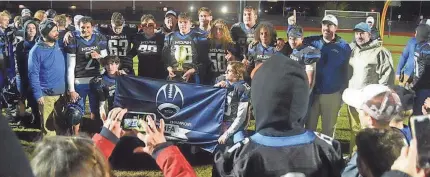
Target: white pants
point(326, 105)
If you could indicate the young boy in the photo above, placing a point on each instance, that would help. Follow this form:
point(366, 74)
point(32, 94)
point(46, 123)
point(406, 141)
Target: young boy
point(238, 93)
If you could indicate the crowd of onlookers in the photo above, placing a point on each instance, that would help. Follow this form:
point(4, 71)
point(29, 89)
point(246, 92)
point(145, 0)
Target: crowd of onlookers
point(51, 62)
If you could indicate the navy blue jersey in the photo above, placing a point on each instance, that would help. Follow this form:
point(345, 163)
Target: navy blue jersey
point(258, 54)
point(217, 53)
point(149, 53)
point(194, 44)
point(236, 93)
point(85, 65)
point(422, 66)
point(104, 87)
point(119, 44)
point(243, 37)
point(306, 55)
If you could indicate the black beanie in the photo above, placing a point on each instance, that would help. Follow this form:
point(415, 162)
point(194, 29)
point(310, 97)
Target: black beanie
point(46, 26)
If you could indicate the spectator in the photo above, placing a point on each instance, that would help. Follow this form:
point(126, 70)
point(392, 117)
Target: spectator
point(50, 13)
point(31, 34)
point(47, 74)
point(170, 23)
point(377, 150)
point(331, 74)
point(17, 22)
point(25, 13)
point(376, 105)
point(205, 19)
point(280, 146)
point(283, 47)
point(405, 67)
point(39, 16)
point(221, 48)
point(421, 83)
point(4, 22)
point(61, 22)
point(370, 63)
point(407, 99)
point(237, 102)
point(168, 157)
point(243, 32)
point(374, 30)
point(262, 48)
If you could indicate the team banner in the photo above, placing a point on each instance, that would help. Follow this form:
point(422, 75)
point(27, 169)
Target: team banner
point(193, 113)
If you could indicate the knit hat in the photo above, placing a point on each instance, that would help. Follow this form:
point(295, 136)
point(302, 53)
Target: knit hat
point(46, 26)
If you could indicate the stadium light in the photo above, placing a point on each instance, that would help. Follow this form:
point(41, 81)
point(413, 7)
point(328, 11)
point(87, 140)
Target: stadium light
point(224, 9)
point(165, 9)
point(72, 7)
point(191, 8)
point(21, 6)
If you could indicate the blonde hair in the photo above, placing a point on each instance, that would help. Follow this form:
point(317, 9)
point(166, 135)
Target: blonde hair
point(226, 37)
point(238, 69)
point(68, 157)
point(61, 20)
point(5, 13)
point(40, 14)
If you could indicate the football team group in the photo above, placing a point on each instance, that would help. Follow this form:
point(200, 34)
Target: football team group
point(52, 62)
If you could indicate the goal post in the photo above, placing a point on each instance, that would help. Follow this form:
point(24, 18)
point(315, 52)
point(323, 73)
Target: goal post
point(348, 19)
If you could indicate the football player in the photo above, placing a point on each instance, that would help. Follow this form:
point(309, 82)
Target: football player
point(190, 46)
point(148, 45)
point(83, 55)
point(243, 32)
point(221, 48)
point(263, 47)
point(205, 19)
point(119, 37)
point(104, 86)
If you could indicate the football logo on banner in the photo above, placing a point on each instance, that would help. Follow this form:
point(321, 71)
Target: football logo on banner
point(169, 100)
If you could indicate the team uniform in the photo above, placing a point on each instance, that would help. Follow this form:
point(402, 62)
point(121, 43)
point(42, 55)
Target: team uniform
point(120, 44)
point(307, 56)
point(238, 96)
point(85, 67)
point(104, 88)
point(149, 53)
point(243, 37)
point(217, 53)
point(195, 48)
point(258, 54)
point(421, 83)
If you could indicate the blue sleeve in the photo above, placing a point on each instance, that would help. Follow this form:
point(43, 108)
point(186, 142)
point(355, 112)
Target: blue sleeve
point(403, 58)
point(33, 73)
point(410, 61)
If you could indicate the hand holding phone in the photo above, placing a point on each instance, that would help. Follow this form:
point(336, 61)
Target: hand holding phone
point(134, 120)
point(421, 132)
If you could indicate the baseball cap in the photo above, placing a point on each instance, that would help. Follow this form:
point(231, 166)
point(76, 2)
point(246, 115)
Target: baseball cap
point(377, 100)
point(170, 12)
point(370, 19)
point(25, 12)
point(331, 19)
point(296, 32)
point(363, 27)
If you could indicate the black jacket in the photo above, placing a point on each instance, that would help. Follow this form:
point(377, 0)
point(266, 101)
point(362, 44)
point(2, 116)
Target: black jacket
point(280, 145)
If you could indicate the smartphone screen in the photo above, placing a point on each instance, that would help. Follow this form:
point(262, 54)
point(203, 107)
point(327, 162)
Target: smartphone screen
point(134, 120)
point(421, 132)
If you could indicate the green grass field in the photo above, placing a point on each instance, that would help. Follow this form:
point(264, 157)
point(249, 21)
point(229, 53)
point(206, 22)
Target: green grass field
point(342, 127)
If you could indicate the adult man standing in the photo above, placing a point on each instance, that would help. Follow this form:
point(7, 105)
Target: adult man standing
point(331, 71)
point(46, 71)
point(170, 23)
point(374, 31)
point(83, 55)
point(243, 32)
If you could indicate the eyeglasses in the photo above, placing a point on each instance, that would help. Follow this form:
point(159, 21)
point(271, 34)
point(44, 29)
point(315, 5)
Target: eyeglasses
point(148, 25)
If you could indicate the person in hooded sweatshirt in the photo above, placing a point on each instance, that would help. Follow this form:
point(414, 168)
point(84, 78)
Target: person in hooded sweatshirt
point(31, 33)
point(47, 73)
point(280, 145)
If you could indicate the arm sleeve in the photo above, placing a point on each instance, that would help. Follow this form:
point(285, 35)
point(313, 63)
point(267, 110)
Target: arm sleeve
point(385, 69)
point(172, 163)
point(239, 120)
point(403, 58)
point(33, 74)
point(71, 63)
point(105, 141)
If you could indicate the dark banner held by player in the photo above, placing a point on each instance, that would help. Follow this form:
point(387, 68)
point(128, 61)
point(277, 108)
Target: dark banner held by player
point(193, 113)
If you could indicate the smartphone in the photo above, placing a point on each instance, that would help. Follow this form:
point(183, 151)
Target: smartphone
point(133, 120)
point(421, 132)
